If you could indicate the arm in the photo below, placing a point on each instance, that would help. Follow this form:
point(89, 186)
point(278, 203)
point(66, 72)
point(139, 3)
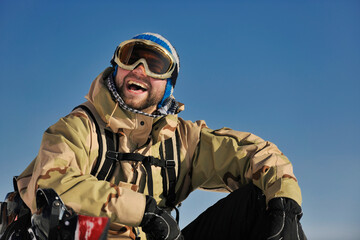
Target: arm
point(225, 159)
point(67, 153)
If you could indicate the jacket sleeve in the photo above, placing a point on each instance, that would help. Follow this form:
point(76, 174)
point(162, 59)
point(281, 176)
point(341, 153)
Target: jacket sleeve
point(225, 159)
point(67, 153)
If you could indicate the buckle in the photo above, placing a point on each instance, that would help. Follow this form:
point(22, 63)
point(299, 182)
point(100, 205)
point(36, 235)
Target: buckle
point(169, 163)
point(112, 155)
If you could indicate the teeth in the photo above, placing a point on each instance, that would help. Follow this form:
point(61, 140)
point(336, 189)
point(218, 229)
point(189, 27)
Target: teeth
point(137, 84)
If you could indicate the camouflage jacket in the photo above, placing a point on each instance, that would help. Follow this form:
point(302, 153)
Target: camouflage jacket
point(69, 151)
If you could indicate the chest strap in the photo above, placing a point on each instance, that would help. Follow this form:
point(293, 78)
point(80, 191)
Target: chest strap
point(140, 158)
point(147, 161)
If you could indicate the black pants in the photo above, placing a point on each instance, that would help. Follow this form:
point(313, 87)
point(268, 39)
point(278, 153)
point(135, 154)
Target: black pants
point(240, 215)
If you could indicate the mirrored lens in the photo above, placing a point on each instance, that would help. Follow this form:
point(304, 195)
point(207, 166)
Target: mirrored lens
point(158, 62)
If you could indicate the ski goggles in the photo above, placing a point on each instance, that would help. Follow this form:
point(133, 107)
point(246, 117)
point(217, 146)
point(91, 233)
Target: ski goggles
point(157, 60)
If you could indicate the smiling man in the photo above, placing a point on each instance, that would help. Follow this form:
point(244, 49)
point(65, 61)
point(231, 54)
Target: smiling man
point(126, 155)
point(138, 90)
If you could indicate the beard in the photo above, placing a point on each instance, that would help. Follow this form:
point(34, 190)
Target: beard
point(148, 99)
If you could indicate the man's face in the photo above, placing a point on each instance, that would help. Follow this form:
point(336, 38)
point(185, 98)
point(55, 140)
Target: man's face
point(138, 90)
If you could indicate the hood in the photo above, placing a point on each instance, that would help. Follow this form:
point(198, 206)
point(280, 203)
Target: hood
point(136, 125)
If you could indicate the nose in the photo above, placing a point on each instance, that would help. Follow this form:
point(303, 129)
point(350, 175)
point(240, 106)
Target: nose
point(140, 69)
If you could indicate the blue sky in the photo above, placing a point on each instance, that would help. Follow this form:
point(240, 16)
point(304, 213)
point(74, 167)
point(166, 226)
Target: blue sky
point(287, 71)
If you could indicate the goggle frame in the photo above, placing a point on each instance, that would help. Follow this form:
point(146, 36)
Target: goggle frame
point(155, 47)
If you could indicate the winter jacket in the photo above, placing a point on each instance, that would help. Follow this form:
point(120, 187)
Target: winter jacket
point(219, 160)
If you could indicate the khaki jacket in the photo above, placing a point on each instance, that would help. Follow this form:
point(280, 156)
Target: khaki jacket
point(219, 160)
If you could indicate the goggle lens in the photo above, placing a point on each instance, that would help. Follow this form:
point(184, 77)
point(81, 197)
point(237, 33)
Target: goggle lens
point(158, 62)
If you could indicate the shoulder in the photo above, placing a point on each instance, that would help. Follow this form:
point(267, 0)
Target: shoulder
point(76, 122)
point(190, 125)
point(190, 131)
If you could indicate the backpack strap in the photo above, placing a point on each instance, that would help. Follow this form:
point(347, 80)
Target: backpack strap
point(107, 141)
point(109, 165)
point(169, 173)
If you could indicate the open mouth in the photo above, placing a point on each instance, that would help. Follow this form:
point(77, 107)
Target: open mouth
point(136, 87)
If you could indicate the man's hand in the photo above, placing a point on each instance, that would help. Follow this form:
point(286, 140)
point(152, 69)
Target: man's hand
point(158, 224)
point(284, 220)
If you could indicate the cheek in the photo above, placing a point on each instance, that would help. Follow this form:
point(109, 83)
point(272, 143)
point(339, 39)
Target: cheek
point(120, 75)
point(159, 84)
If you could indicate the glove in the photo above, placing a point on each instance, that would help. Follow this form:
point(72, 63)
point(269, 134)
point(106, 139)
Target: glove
point(284, 220)
point(158, 224)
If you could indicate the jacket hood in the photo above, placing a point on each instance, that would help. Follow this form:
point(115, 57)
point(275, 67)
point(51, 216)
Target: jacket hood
point(120, 120)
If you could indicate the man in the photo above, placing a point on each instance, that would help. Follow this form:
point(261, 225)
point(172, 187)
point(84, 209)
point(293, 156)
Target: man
point(125, 154)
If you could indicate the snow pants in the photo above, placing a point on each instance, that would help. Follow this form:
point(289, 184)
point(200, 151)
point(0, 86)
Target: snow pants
point(240, 215)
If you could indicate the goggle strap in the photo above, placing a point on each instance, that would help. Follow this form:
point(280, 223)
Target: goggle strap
point(155, 40)
point(115, 71)
point(167, 93)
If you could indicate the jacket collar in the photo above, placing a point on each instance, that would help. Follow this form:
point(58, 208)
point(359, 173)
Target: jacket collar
point(136, 125)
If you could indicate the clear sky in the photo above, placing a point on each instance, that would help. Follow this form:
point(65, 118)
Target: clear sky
point(287, 71)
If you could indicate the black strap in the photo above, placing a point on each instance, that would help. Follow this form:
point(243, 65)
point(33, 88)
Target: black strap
point(108, 162)
point(147, 166)
point(163, 172)
point(169, 151)
point(116, 148)
point(171, 172)
point(54, 219)
point(98, 133)
point(178, 173)
point(137, 157)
